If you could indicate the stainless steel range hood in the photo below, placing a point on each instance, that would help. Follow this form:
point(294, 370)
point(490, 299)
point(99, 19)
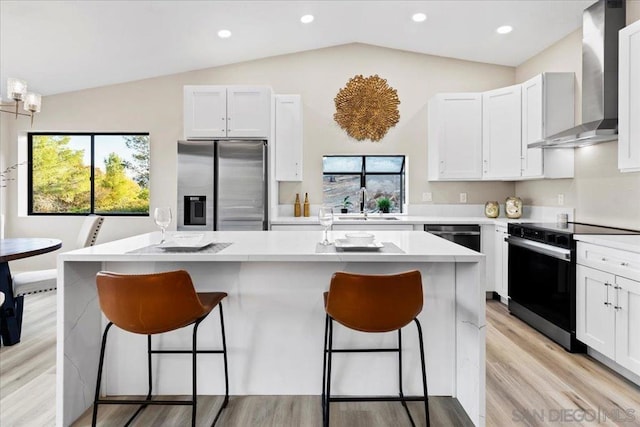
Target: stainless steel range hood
point(601, 23)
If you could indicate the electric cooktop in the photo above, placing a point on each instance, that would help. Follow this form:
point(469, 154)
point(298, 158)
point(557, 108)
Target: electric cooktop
point(576, 228)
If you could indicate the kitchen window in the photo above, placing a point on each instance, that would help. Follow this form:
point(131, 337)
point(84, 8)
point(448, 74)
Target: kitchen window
point(382, 176)
point(88, 173)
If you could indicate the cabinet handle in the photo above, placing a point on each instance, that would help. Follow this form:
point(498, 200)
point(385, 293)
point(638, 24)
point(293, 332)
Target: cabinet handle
point(624, 264)
point(607, 303)
point(607, 284)
point(617, 307)
point(617, 287)
point(603, 259)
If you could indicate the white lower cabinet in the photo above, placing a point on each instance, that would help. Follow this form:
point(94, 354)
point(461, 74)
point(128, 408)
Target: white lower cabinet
point(501, 262)
point(595, 325)
point(628, 324)
point(295, 227)
point(366, 227)
point(608, 304)
point(342, 226)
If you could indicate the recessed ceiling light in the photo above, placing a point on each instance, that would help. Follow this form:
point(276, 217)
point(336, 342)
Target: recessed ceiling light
point(224, 34)
point(505, 29)
point(306, 19)
point(419, 17)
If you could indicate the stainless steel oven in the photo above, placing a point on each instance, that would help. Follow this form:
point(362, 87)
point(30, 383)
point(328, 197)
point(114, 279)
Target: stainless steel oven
point(542, 277)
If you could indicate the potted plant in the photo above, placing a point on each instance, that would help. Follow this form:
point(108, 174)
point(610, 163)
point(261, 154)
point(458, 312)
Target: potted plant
point(345, 205)
point(384, 204)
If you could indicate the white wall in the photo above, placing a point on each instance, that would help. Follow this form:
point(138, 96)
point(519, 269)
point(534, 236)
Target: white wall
point(155, 106)
point(599, 193)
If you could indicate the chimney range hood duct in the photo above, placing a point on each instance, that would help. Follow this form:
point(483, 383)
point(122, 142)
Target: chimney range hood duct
point(601, 23)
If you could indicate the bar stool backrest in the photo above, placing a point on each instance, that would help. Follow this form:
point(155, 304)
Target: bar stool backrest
point(375, 303)
point(149, 303)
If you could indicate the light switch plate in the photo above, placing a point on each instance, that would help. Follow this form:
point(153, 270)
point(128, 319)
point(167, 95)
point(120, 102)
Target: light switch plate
point(463, 197)
point(427, 197)
point(560, 199)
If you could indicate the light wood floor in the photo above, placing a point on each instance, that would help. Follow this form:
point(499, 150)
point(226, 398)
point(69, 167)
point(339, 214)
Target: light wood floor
point(529, 380)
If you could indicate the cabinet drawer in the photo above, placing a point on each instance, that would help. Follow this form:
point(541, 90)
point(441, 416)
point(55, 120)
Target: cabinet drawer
point(621, 263)
point(381, 227)
point(296, 227)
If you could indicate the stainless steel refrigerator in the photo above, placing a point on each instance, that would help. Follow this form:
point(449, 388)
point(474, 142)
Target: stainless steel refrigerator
point(222, 185)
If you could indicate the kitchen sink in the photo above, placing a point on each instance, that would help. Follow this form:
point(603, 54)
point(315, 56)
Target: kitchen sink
point(368, 218)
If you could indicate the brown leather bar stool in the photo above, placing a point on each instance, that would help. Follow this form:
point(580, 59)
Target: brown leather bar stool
point(152, 304)
point(372, 303)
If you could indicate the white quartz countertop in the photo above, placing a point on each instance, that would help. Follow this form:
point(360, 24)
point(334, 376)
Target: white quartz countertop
point(624, 242)
point(278, 246)
point(401, 219)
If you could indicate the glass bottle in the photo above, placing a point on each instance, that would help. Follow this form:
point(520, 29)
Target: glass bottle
point(306, 204)
point(296, 206)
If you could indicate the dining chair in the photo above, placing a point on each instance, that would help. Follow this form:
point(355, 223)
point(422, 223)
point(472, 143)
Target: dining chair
point(33, 282)
point(373, 304)
point(151, 304)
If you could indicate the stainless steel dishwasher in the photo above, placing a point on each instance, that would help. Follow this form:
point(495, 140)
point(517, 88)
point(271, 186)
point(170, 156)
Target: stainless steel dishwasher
point(467, 235)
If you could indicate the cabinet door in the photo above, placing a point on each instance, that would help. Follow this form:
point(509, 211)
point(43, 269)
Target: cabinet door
point(501, 133)
point(498, 262)
point(364, 227)
point(205, 112)
point(288, 137)
point(248, 112)
point(629, 99)
point(505, 269)
point(628, 324)
point(532, 125)
point(595, 313)
point(296, 227)
point(455, 137)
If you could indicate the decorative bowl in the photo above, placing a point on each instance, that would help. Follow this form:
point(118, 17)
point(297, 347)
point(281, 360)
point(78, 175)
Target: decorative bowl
point(359, 239)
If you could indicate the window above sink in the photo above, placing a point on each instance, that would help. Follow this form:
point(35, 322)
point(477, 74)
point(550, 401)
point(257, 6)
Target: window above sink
point(381, 175)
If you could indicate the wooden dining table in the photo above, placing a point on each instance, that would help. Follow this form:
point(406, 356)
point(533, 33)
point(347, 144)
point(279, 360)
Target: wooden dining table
point(10, 250)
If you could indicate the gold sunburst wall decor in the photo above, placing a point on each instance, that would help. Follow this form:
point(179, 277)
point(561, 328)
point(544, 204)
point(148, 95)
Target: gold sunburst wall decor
point(367, 107)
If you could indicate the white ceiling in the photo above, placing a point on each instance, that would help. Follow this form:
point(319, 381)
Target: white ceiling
point(61, 46)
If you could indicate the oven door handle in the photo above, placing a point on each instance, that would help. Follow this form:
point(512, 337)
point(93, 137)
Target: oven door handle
point(541, 248)
point(454, 233)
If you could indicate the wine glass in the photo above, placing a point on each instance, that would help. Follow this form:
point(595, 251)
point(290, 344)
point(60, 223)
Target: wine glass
point(325, 215)
point(162, 217)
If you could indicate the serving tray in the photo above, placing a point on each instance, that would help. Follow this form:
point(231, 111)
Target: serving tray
point(173, 246)
point(346, 246)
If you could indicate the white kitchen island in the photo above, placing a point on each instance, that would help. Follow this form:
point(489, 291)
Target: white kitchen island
point(274, 319)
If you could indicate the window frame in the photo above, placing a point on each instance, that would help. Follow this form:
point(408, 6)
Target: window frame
point(363, 172)
point(92, 135)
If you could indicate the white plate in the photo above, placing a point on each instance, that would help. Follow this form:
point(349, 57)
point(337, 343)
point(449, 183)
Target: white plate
point(173, 246)
point(345, 245)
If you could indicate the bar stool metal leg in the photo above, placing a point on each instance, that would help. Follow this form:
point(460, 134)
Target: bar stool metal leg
point(226, 367)
point(99, 380)
point(327, 408)
point(324, 364)
point(424, 373)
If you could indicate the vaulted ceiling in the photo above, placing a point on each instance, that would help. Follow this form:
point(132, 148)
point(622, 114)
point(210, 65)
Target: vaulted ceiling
point(61, 46)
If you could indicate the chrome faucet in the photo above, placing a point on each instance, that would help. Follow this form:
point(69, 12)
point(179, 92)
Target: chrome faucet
point(363, 201)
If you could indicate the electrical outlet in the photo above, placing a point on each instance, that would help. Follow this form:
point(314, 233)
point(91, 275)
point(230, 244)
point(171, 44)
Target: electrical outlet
point(463, 197)
point(427, 197)
point(560, 199)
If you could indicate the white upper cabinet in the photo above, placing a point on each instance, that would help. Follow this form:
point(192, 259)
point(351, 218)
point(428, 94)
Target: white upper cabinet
point(205, 111)
point(501, 133)
point(629, 99)
point(547, 108)
point(226, 112)
point(288, 137)
point(455, 137)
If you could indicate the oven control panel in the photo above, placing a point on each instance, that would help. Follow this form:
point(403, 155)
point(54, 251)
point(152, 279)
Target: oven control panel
point(550, 237)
